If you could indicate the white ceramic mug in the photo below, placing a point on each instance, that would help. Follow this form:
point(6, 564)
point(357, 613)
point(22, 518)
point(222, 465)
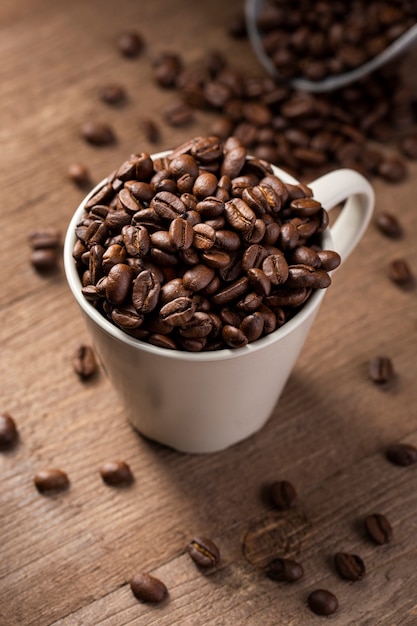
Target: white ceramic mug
point(207, 401)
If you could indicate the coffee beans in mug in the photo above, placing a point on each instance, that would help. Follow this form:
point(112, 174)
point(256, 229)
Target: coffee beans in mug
point(378, 528)
point(204, 552)
point(403, 454)
point(148, 588)
point(8, 431)
point(51, 480)
point(349, 566)
point(116, 473)
point(323, 602)
point(217, 221)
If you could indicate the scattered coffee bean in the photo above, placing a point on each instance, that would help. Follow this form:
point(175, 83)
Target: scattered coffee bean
point(349, 566)
point(79, 174)
point(178, 113)
point(284, 570)
point(98, 133)
point(84, 361)
point(47, 237)
point(381, 370)
point(389, 224)
point(8, 431)
point(147, 588)
point(379, 528)
point(150, 129)
point(116, 473)
point(51, 480)
point(283, 495)
point(130, 44)
point(204, 552)
point(401, 454)
point(113, 94)
point(323, 602)
point(392, 170)
point(400, 273)
point(408, 145)
point(44, 260)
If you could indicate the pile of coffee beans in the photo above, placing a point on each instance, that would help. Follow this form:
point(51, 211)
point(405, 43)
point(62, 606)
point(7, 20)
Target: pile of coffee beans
point(202, 250)
point(314, 40)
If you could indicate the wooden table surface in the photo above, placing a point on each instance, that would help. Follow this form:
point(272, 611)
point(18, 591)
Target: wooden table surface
point(67, 559)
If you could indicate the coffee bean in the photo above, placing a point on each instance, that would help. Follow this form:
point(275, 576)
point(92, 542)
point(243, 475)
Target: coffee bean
point(204, 552)
point(378, 528)
point(113, 94)
point(403, 454)
point(148, 588)
point(79, 174)
point(116, 473)
point(283, 495)
point(8, 431)
point(44, 259)
point(130, 44)
point(381, 370)
point(47, 237)
point(150, 129)
point(98, 133)
point(84, 361)
point(178, 113)
point(349, 566)
point(389, 224)
point(284, 570)
point(408, 145)
point(400, 273)
point(393, 170)
point(51, 480)
point(323, 602)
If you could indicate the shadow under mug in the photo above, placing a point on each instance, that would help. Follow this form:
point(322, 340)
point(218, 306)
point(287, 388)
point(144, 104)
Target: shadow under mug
point(208, 401)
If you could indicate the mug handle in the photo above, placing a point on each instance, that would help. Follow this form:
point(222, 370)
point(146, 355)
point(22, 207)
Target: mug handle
point(350, 187)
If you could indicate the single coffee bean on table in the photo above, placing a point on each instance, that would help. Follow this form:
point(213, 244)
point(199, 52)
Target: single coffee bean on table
point(323, 602)
point(98, 133)
point(399, 271)
point(204, 552)
point(84, 361)
point(130, 44)
point(113, 94)
point(8, 431)
point(379, 528)
point(148, 588)
point(389, 224)
point(116, 473)
point(381, 369)
point(284, 570)
point(349, 566)
point(79, 174)
point(230, 241)
point(283, 495)
point(403, 454)
point(51, 480)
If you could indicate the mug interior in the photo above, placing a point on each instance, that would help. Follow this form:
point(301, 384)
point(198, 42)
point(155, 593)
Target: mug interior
point(75, 285)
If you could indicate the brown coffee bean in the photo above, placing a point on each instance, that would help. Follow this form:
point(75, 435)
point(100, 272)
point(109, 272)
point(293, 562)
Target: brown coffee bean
point(145, 292)
point(84, 362)
point(177, 312)
point(204, 552)
point(198, 277)
point(147, 588)
point(150, 129)
point(379, 528)
point(403, 454)
point(8, 431)
point(329, 259)
point(392, 170)
point(275, 268)
point(116, 473)
point(79, 174)
point(389, 224)
point(47, 237)
point(130, 44)
point(51, 480)
point(323, 602)
point(98, 133)
point(381, 370)
point(44, 259)
point(400, 273)
point(119, 283)
point(113, 94)
point(283, 495)
point(234, 337)
point(252, 325)
point(349, 566)
point(284, 570)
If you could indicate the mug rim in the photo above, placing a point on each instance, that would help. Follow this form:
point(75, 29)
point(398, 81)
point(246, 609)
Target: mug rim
point(117, 333)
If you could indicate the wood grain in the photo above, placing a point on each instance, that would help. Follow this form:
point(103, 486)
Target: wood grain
point(67, 559)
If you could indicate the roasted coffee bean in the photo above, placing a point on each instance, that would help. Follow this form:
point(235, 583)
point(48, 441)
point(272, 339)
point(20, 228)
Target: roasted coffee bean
point(400, 273)
point(113, 94)
point(51, 480)
point(379, 528)
point(381, 370)
point(403, 454)
point(166, 68)
point(147, 588)
point(240, 216)
point(150, 129)
point(98, 133)
point(204, 552)
point(198, 277)
point(127, 318)
point(231, 292)
point(323, 602)
point(200, 325)
point(276, 268)
point(389, 224)
point(181, 234)
point(259, 281)
point(119, 283)
point(300, 276)
point(392, 169)
point(284, 570)
point(329, 259)
point(167, 205)
point(252, 325)
point(130, 44)
point(136, 240)
point(116, 473)
point(44, 259)
point(177, 312)
point(234, 337)
point(48, 237)
point(283, 495)
point(8, 431)
point(178, 113)
point(84, 361)
point(349, 566)
point(145, 292)
point(204, 236)
point(79, 174)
